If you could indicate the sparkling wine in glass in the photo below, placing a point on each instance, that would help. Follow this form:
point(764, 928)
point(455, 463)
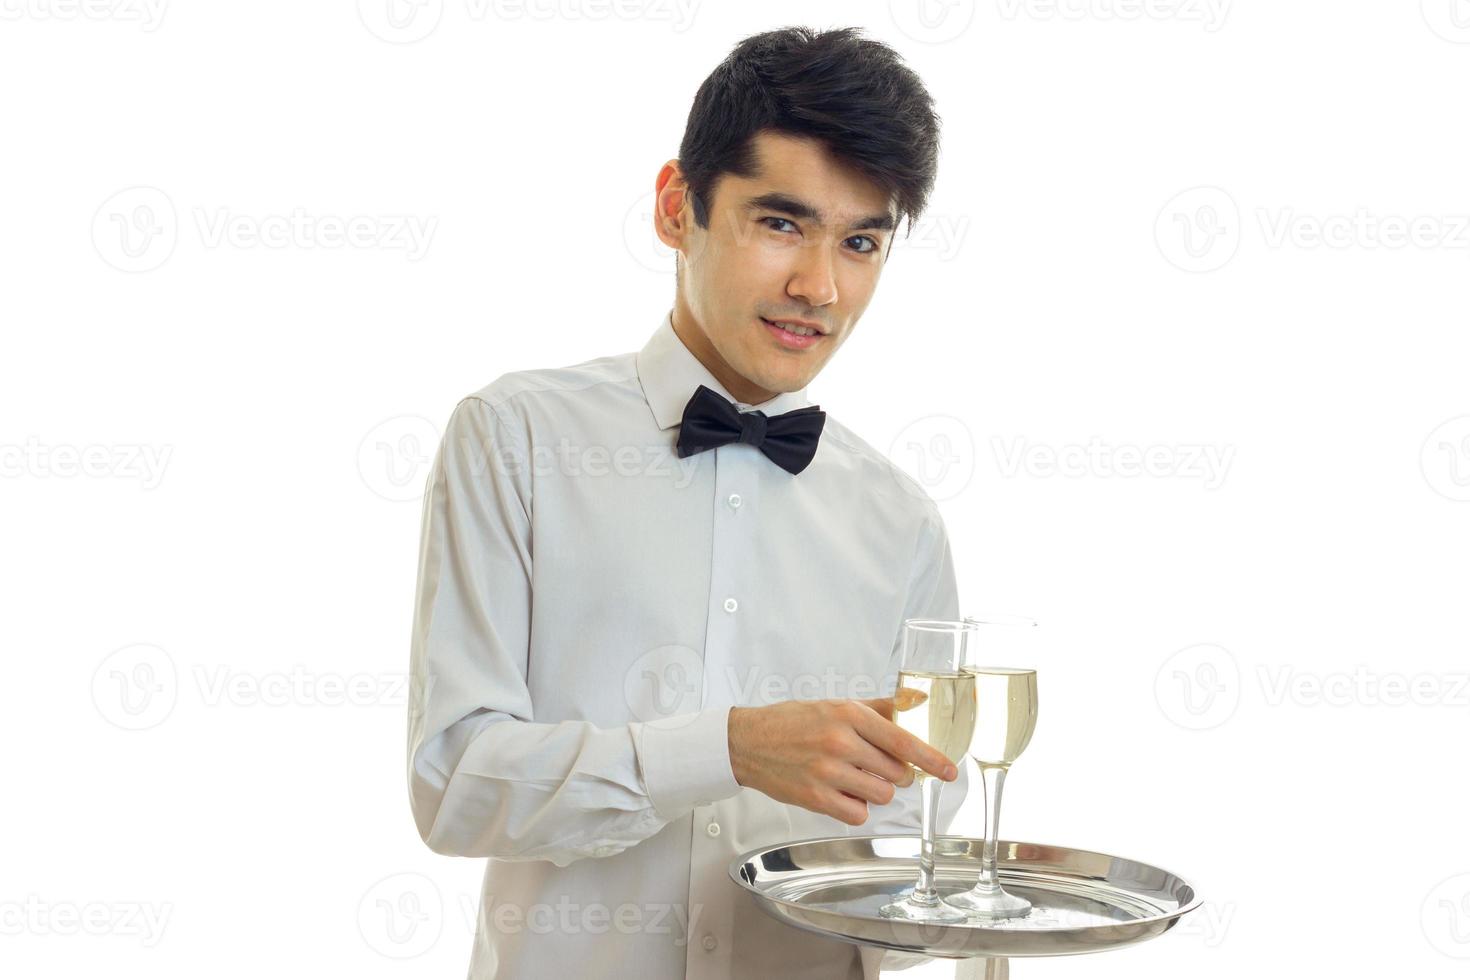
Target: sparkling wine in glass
point(935, 702)
point(1005, 718)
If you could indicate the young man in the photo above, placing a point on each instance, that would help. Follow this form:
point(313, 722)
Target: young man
point(660, 594)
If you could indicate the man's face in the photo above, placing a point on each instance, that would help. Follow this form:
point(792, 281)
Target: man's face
point(803, 241)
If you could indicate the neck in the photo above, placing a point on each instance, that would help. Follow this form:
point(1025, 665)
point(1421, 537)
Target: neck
point(688, 330)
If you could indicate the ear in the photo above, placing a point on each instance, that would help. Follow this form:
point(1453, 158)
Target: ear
point(673, 212)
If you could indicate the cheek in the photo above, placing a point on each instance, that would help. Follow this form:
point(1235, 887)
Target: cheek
point(856, 283)
point(741, 285)
point(726, 269)
point(761, 265)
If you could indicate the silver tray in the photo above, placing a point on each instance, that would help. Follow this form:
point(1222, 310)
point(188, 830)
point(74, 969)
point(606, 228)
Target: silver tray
point(1083, 901)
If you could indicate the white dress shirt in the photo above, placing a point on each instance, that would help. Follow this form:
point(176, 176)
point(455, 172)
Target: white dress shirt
point(589, 606)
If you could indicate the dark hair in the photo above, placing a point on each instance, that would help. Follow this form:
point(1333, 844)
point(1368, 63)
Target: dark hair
point(853, 94)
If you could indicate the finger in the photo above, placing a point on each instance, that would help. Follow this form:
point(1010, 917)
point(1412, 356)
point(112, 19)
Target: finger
point(883, 765)
point(897, 742)
point(874, 759)
point(865, 786)
point(902, 777)
point(845, 807)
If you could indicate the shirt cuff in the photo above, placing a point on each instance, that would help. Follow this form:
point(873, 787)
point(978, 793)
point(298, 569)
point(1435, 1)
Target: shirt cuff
point(686, 760)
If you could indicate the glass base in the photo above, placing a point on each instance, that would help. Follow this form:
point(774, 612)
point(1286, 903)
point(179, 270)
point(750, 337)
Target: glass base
point(989, 903)
point(915, 911)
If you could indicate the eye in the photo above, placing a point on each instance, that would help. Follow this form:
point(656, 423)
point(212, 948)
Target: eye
point(783, 221)
point(872, 245)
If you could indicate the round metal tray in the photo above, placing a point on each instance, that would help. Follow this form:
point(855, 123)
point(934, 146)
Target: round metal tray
point(1083, 901)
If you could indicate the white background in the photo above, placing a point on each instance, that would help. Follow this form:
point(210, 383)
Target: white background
point(1180, 230)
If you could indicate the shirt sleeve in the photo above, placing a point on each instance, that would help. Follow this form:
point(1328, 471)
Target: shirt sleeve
point(485, 778)
point(932, 594)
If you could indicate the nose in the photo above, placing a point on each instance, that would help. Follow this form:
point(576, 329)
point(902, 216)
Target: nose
point(812, 281)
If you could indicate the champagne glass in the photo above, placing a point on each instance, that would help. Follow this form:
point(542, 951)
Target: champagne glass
point(1005, 717)
point(935, 702)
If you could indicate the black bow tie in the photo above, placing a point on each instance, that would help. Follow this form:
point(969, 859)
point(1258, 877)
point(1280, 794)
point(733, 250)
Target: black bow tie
point(789, 439)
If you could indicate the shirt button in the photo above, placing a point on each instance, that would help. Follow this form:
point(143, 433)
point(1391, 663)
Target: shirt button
point(710, 942)
point(713, 829)
point(735, 501)
point(731, 605)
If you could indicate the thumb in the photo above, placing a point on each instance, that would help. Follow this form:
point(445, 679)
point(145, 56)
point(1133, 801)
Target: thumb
point(884, 706)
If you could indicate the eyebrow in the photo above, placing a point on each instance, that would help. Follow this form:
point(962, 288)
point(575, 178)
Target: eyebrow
point(786, 204)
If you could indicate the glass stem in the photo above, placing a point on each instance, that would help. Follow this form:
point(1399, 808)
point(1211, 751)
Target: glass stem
point(994, 778)
point(924, 891)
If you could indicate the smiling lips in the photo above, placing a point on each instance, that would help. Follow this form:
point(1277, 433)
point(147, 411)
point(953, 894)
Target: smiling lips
point(797, 337)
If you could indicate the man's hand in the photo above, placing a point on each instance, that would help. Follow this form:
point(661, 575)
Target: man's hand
point(832, 757)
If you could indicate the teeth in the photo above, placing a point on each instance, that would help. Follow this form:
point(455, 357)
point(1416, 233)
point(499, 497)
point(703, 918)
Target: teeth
point(793, 328)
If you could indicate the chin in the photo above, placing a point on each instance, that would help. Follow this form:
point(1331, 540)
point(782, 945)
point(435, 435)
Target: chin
point(781, 383)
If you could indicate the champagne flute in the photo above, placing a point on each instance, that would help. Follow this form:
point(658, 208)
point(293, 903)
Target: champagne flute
point(935, 702)
point(1006, 704)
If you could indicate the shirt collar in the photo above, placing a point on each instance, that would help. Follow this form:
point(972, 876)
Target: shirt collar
point(670, 373)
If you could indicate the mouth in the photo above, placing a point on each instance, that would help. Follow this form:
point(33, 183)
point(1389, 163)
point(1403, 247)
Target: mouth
point(793, 334)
